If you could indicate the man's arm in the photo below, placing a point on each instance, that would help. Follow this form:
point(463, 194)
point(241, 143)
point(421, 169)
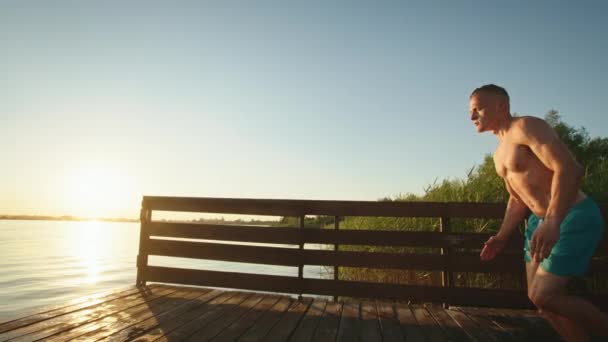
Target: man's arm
point(515, 213)
point(565, 183)
point(553, 153)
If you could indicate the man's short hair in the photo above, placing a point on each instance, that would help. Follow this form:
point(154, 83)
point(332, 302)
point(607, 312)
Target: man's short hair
point(492, 89)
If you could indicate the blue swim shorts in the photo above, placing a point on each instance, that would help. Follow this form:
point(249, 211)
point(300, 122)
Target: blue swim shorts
point(580, 233)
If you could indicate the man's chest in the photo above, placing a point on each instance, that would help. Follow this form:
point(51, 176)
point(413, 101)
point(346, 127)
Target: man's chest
point(511, 158)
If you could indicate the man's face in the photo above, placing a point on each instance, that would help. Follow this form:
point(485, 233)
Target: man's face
point(483, 108)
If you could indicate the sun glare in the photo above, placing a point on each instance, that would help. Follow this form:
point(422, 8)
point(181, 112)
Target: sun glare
point(97, 190)
point(88, 245)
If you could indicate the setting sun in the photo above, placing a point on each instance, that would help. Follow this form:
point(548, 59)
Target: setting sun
point(97, 189)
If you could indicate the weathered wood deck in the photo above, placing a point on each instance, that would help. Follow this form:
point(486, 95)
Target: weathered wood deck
point(159, 312)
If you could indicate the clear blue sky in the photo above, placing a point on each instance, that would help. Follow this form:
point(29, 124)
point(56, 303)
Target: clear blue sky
point(104, 101)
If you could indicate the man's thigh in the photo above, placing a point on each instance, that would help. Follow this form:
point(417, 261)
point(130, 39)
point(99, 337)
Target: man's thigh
point(531, 268)
point(545, 285)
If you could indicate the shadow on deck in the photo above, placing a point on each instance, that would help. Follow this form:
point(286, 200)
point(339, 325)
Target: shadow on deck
point(160, 312)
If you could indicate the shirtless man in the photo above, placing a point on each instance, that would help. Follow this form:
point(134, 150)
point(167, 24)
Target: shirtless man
point(565, 226)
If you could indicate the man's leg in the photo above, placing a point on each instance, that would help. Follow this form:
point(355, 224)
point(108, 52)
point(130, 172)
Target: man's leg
point(548, 293)
point(566, 328)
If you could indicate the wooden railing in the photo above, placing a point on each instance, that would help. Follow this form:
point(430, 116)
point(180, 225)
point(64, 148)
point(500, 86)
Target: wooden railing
point(157, 238)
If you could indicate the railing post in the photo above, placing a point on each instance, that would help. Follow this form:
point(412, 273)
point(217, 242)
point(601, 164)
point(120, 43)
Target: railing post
point(336, 247)
point(301, 266)
point(145, 216)
point(447, 279)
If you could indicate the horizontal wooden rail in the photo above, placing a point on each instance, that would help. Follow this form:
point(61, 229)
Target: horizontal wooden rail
point(293, 236)
point(284, 235)
point(276, 235)
point(287, 207)
point(459, 262)
point(455, 262)
point(280, 207)
point(225, 252)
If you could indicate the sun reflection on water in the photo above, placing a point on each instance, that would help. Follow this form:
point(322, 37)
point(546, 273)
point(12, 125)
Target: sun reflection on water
point(90, 245)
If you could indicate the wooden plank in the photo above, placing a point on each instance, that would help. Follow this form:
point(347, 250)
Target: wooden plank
point(431, 329)
point(469, 326)
point(450, 327)
point(231, 313)
point(461, 262)
point(290, 320)
point(412, 332)
point(371, 236)
point(350, 324)
point(488, 325)
point(267, 321)
point(190, 300)
point(226, 252)
point(330, 287)
point(516, 331)
point(51, 311)
point(109, 325)
point(372, 289)
point(289, 235)
point(308, 325)
point(515, 312)
point(176, 319)
point(70, 320)
point(456, 296)
point(89, 326)
point(248, 281)
point(389, 324)
point(288, 207)
point(207, 313)
point(225, 232)
point(77, 326)
point(163, 322)
point(238, 328)
point(535, 327)
point(26, 316)
point(218, 326)
point(370, 324)
point(327, 329)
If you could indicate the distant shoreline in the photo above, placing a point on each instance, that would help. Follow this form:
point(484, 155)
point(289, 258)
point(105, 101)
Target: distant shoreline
point(62, 218)
point(68, 218)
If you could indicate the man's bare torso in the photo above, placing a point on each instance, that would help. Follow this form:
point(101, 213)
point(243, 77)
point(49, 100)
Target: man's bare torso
point(529, 179)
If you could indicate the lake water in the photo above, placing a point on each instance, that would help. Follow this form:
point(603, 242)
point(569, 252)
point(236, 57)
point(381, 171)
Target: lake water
point(52, 262)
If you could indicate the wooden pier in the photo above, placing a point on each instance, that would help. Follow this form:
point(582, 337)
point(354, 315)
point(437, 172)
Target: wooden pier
point(178, 313)
point(179, 304)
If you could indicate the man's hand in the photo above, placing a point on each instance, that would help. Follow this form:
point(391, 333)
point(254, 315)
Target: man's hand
point(492, 247)
point(543, 239)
